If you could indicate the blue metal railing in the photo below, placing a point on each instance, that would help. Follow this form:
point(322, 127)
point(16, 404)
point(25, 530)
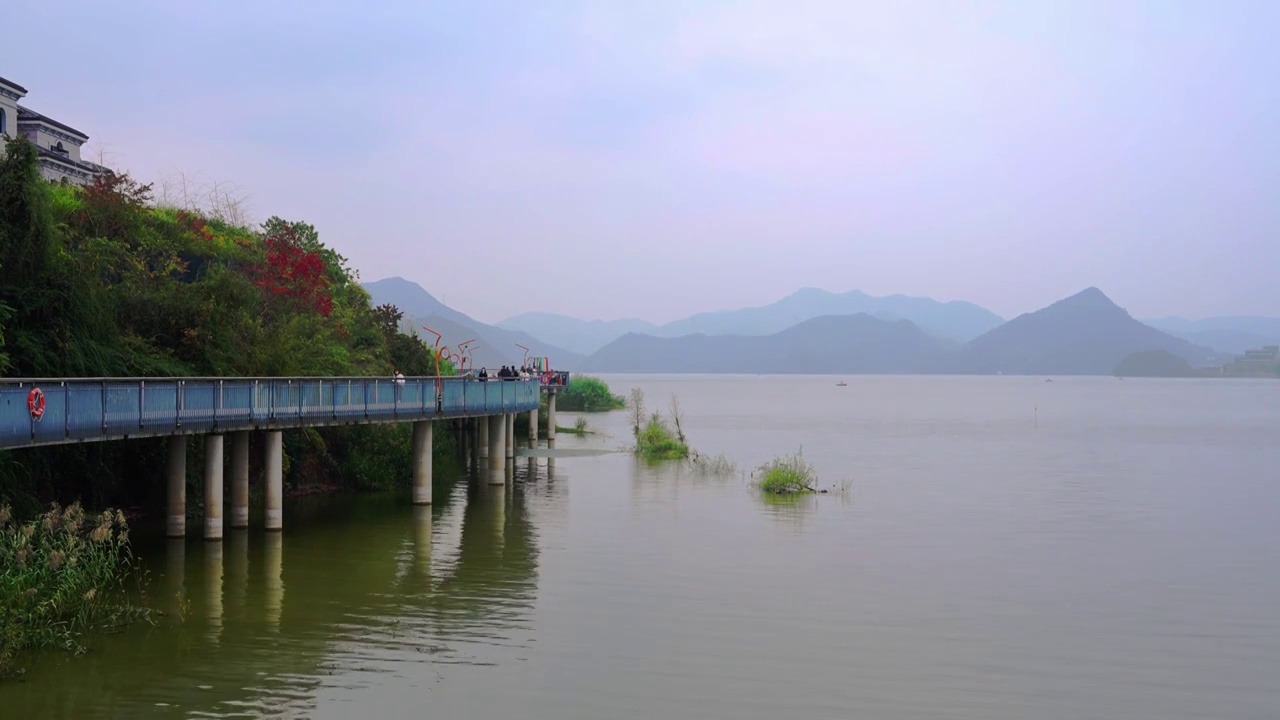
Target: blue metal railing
point(72, 410)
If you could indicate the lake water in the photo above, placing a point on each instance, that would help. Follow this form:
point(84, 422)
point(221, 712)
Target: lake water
point(1006, 548)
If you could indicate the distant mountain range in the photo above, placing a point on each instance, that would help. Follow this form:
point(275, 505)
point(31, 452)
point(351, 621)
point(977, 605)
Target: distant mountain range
point(829, 344)
point(580, 336)
point(1233, 334)
point(494, 346)
point(955, 321)
point(1085, 334)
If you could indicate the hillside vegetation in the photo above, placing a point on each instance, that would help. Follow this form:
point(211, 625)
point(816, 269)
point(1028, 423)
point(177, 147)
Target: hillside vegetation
point(99, 281)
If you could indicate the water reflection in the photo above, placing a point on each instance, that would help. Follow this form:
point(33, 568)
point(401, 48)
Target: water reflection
point(790, 509)
point(236, 563)
point(247, 646)
point(175, 576)
point(273, 578)
point(213, 590)
point(422, 527)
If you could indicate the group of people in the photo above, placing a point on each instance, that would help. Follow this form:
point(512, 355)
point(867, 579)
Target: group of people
point(508, 373)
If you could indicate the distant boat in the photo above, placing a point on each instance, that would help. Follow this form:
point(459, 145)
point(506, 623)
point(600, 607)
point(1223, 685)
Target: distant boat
point(842, 384)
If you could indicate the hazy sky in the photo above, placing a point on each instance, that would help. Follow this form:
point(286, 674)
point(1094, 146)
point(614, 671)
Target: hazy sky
point(653, 158)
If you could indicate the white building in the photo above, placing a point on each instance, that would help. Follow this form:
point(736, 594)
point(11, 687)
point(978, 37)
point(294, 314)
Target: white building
point(58, 144)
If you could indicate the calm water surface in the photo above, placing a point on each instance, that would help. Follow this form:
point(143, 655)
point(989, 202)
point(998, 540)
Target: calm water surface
point(1007, 548)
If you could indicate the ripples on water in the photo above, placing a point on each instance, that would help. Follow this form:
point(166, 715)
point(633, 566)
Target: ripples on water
point(1007, 549)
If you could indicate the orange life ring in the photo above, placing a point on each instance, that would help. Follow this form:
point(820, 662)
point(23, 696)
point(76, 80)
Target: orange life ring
point(35, 403)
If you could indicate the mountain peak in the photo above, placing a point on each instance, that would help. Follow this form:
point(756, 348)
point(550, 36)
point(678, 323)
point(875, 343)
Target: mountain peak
point(1085, 334)
point(1091, 298)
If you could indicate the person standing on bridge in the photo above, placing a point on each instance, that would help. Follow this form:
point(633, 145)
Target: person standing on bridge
point(399, 377)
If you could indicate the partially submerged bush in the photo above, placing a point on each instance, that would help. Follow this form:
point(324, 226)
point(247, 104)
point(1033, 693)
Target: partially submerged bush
point(61, 575)
point(657, 441)
point(718, 465)
point(579, 427)
point(787, 475)
point(588, 394)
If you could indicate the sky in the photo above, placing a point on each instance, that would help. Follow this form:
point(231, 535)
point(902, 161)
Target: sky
point(655, 159)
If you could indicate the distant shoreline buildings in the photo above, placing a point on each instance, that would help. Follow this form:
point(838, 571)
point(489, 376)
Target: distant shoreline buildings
point(57, 144)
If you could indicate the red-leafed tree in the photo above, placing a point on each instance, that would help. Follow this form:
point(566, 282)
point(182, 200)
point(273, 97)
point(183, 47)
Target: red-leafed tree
point(293, 273)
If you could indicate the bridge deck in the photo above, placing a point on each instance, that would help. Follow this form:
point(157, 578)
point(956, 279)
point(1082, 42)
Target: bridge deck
point(86, 410)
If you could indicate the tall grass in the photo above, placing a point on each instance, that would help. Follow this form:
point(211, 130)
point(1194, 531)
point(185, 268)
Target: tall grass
point(580, 428)
point(787, 475)
point(714, 465)
point(61, 575)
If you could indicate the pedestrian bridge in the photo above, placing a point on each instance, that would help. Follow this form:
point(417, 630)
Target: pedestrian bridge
point(89, 409)
point(54, 411)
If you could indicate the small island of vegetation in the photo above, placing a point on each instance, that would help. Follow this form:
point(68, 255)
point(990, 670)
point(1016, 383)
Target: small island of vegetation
point(656, 438)
point(588, 394)
point(787, 475)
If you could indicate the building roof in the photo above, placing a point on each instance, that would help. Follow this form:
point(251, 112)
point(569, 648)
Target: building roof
point(13, 85)
point(29, 115)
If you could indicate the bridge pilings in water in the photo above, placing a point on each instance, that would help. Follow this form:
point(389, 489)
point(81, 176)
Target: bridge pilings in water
point(422, 462)
point(274, 491)
point(213, 463)
point(240, 479)
point(176, 481)
point(491, 437)
point(551, 418)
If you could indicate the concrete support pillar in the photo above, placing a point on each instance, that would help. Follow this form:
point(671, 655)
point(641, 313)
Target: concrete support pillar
point(510, 433)
point(422, 462)
point(533, 427)
point(484, 424)
point(274, 490)
point(551, 418)
point(176, 475)
point(213, 462)
point(473, 426)
point(497, 462)
point(240, 479)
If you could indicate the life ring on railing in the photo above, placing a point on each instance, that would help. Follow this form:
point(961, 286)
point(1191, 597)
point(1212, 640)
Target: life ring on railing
point(35, 403)
point(546, 378)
